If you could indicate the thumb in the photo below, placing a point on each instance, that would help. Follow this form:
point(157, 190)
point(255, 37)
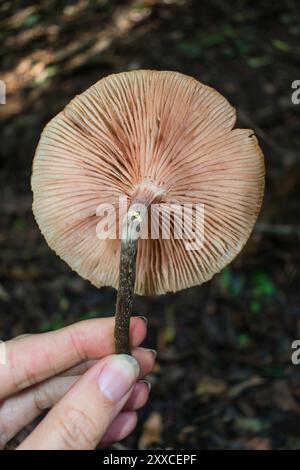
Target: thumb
point(84, 414)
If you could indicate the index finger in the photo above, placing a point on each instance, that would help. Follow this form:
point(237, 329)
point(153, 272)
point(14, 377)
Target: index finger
point(34, 358)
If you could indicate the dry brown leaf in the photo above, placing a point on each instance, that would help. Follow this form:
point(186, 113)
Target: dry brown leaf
point(211, 386)
point(239, 388)
point(151, 434)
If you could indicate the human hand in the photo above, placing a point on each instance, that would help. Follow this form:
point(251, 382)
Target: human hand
point(92, 393)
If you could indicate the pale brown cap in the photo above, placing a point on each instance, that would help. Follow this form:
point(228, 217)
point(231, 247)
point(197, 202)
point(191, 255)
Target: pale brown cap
point(147, 131)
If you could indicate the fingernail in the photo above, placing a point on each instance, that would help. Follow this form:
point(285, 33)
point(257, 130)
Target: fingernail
point(152, 351)
point(146, 382)
point(145, 320)
point(118, 376)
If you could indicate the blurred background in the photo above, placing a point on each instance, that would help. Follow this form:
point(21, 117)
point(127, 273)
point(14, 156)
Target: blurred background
point(224, 378)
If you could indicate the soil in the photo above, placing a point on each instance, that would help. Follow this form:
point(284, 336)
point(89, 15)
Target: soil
point(224, 377)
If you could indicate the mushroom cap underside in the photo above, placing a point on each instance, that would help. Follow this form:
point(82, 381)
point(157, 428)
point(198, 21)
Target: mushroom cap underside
point(167, 138)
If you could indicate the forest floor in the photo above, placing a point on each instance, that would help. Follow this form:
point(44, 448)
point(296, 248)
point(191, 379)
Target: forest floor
point(224, 377)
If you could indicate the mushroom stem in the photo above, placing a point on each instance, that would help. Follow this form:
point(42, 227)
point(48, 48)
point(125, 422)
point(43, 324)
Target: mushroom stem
point(145, 194)
point(126, 282)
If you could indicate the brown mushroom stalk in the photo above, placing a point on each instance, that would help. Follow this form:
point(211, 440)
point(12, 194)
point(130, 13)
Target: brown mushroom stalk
point(146, 193)
point(125, 294)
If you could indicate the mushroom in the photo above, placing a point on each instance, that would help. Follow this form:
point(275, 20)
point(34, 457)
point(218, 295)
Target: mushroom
point(157, 138)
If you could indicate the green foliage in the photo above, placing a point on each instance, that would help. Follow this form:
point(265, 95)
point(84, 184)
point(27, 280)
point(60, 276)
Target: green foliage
point(19, 224)
point(280, 45)
point(231, 283)
point(195, 48)
point(209, 40)
point(46, 75)
point(255, 306)
point(262, 285)
point(251, 425)
point(256, 62)
point(139, 5)
point(32, 20)
point(244, 340)
point(231, 43)
point(242, 47)
point(277, 372)
point(57, 322)
point(229, 31)
point(96, 313)
point(228, 52)
point(190, 49)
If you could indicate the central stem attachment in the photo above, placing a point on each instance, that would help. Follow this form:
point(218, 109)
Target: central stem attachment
point(146, 193)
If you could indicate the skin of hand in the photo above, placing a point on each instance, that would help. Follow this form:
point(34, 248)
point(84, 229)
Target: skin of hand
point(92, 394)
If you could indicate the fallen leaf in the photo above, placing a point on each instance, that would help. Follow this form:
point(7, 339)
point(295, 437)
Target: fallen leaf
point(253, 425)
point(211, 386)
point(239, 388)
point(152, 430)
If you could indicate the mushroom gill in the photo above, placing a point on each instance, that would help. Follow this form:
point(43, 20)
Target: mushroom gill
point(154, 137)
